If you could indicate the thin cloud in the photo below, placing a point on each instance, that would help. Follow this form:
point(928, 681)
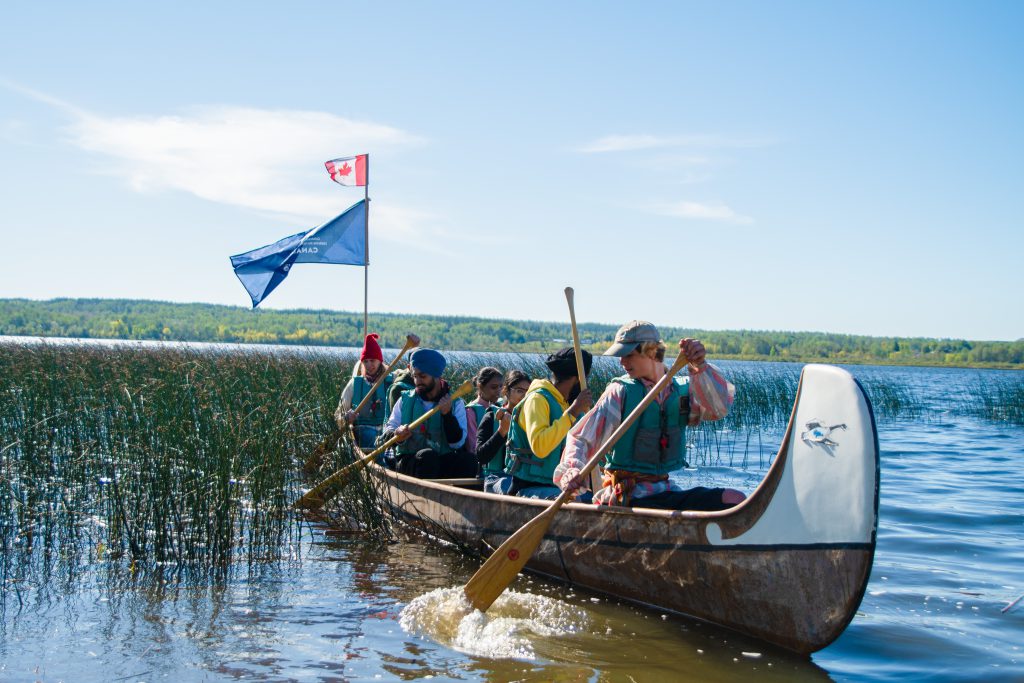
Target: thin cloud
point(633, 143)
point(246, 157)
point(688, 210)
point(264, 160)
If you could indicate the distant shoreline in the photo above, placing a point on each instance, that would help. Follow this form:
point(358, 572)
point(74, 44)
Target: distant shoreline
point(143, 320)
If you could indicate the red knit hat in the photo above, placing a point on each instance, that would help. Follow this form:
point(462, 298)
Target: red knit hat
point(371, 349)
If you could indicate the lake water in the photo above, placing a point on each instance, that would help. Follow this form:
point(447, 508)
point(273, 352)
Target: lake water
point(949, 561)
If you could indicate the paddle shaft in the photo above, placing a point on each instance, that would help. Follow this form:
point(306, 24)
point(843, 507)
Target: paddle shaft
point(321, 493)
point(570, 298)
point(330, 442)
point(570, 295)
point(504, 564)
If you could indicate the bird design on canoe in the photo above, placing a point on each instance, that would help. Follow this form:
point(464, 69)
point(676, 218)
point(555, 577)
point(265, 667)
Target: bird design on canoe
point(817, 432)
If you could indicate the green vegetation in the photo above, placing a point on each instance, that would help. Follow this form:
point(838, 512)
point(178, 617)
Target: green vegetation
point(164, 462)
point(131, 319)
point(1002, 401)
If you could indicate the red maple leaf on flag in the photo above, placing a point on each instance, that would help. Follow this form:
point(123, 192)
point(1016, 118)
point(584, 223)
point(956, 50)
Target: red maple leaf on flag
point(345, 169)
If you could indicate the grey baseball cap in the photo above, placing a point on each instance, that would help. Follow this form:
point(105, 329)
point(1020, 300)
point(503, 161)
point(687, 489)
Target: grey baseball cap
point(631, 335)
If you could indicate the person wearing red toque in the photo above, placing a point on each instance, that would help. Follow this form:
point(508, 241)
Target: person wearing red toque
point(368, 422)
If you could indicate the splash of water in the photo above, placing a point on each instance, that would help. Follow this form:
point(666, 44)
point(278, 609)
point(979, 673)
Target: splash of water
point(503, 632)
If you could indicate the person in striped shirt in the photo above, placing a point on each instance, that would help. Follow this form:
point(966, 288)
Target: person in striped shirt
point(636, 470)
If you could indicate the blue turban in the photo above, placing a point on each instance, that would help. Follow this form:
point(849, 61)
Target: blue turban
point(428, 361)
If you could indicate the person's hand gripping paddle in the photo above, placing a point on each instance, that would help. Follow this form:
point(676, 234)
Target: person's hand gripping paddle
point(497, 572)
point(331, 441)
point(315, 498)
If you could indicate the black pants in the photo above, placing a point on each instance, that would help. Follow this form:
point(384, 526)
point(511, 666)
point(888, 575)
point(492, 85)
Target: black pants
point(429, 464)
point(699, 498)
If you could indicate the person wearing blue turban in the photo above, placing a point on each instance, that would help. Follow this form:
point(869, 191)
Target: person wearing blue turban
point(436, 449)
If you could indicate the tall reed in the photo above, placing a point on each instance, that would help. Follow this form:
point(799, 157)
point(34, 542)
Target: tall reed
point(168, 461)
point(1001, 400)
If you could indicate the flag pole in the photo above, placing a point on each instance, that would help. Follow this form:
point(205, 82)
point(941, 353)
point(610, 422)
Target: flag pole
point(366, 250)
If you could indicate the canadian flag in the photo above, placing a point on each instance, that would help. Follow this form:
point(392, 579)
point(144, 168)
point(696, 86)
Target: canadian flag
point(348, 170)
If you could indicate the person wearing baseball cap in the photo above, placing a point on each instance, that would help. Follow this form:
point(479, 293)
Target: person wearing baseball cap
point(368, 422)
point(436, 448)
point(636, 470)
point(539, 425)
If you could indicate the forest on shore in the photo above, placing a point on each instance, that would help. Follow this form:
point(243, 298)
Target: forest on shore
point(132, 319)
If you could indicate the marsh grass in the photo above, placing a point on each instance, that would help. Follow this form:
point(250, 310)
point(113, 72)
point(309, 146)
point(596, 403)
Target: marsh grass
point(1001, 400)
point(170, 461)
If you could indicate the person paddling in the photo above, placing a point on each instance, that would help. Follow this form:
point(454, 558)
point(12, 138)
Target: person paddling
point(436, 448)
point(494, 427)
point(488, 388)
point(539, 426)
point(636, 471)
point(367, 424)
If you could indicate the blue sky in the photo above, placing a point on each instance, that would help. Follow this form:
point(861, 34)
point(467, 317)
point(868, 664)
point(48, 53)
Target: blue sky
point(841, 167)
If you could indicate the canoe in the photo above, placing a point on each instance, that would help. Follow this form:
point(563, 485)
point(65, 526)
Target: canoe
point(788, 566)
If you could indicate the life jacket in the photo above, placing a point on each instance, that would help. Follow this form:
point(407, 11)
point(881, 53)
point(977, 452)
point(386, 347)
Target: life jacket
point(473, 420)
point(401, 381)
point(656, 442)
point(495, 465)
point(374, 413)
point(430, 434)
point(520, 460)
point(478, 409)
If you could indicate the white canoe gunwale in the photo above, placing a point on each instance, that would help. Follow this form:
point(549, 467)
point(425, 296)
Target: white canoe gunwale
point(788, 566)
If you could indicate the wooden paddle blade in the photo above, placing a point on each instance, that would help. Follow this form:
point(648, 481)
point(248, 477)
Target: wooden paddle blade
point(501, 568)
point(328, 445)
point(315, 498)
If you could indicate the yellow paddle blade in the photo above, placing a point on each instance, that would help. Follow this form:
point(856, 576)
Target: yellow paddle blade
point(501, 568)
point(328, 445)
point(315, 498)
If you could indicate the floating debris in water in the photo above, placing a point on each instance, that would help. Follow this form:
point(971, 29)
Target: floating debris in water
point(503, 632)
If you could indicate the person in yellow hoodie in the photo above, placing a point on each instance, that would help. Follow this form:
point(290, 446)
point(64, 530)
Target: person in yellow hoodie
point(540, 424)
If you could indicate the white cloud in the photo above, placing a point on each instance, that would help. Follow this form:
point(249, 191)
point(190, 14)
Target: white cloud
point(246, 157)
point(704, 212)
point(632, 143)
point(267, 160)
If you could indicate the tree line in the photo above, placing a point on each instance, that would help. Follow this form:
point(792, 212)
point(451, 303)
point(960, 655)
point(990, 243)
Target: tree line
point(157, 320)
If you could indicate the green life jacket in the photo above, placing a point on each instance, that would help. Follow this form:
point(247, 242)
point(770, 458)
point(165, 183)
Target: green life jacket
point(374, 413)
point(519, 458)
point(478, 410)
point(430, 434)
point(400, 381)
point(495, 465)
point(656, 442)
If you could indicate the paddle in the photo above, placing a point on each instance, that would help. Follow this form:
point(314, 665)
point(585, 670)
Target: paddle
point(330, 442)
point(315, 498)
point(504, 564)
point(570, 295)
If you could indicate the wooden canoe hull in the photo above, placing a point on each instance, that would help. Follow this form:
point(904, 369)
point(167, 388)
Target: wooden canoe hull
point(788, 566)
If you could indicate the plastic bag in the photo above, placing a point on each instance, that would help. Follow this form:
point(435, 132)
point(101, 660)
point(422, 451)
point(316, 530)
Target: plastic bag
point(711, 394)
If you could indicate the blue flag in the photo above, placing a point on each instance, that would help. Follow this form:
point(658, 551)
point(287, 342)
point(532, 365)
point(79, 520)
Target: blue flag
point(341, 240)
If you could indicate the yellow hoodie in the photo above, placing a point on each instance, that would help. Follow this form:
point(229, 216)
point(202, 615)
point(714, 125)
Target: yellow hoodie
point(535, 419)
